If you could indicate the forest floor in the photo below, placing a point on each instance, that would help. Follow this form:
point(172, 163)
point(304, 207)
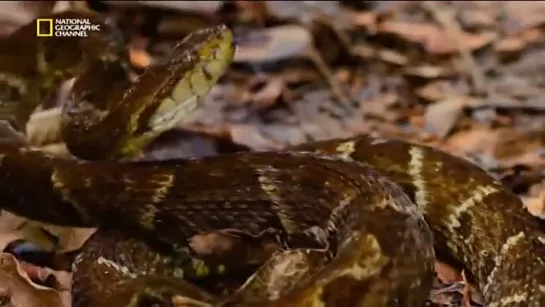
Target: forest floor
point(462, 76)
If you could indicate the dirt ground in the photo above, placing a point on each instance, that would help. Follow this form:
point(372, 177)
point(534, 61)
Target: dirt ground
point(464, 76)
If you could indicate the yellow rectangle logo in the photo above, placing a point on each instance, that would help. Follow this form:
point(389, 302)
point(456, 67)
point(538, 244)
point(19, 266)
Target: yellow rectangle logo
point(44, 27)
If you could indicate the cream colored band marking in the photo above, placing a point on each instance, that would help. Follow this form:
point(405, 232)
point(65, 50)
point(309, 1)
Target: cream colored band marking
point(282, 211)
point(511, 242)
point(415, 170)
point(116, 266)
point(345, 149)
point(59, 186)
point(477, 196)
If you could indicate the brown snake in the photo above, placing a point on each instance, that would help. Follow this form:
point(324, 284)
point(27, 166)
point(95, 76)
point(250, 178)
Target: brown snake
point(342, 219)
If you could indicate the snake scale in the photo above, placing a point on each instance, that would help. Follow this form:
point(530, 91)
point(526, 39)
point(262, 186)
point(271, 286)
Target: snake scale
point(347, 222)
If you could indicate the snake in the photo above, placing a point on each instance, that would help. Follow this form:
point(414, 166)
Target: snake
point(345, 222)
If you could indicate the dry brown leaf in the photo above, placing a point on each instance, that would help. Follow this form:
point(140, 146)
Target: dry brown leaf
point(273, 44)
point(355, 125)
point(527, 156)
point(303, 11)
point(250, 136)
point(366, 20)
point(536, 205)
point(252, 11)
point(478, 18)
point(427, 71)
point(528, 103)
point(386, 55)
point(286, 9)
point(269, 94)
point(13, 14)
point(442, 116)
point(434, 39)
point(379, 105)
point(69, 238)
point(43, 127)
point(476, 140)
point(14, 283)
point(288, 134)
point(13, 227)
point(437, 90)
point(138, 55)
point(10, 221)
point(324, 127)
point(517, 144)
point(431, 91)
point(446, 273)
point(510, 47)
point(62, 278)
point(214, 243)
point(454, 281)
point(62, 6)
point(524, 14)
point(532, 36)
point(466, 292)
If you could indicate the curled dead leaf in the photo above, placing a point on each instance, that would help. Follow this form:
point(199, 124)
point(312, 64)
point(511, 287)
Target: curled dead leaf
point(69, 238)
point(46, 236)
point(269, 94)
point(15, 283)
point(15, 228)
point(441, 116)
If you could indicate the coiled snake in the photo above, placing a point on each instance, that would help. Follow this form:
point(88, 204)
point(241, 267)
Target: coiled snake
point(333, 223)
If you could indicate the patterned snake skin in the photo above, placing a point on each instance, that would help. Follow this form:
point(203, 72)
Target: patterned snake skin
point(349, 222)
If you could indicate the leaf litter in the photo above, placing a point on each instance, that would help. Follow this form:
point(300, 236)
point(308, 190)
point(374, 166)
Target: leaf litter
point(466, 77)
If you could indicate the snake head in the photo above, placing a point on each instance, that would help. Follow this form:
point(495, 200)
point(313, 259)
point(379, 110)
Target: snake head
point(118, 122)
point(197, 63)
point(174, 87)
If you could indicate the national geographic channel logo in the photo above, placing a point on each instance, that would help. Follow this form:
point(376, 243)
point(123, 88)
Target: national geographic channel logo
point(65, 27)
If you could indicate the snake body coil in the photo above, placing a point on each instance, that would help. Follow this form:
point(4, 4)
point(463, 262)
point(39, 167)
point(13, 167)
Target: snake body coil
point(336, 223)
